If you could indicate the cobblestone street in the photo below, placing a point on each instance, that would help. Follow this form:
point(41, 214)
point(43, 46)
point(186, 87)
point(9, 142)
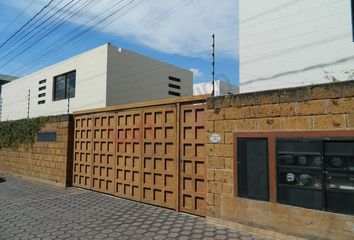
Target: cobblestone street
point(35, 211)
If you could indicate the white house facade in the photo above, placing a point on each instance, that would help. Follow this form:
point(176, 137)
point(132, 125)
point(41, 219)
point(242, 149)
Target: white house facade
point(101, 77)
point(286, 43)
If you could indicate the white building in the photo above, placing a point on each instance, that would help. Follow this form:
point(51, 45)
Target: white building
point(101, 77)
point(287, 43)
point(221, 88)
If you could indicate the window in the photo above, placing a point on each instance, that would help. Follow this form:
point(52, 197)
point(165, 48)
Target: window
point(170, 85)
point(41, 102)
point(43, 81)
point(41, 95)
point(172, 93)
point(339, 166)
point(299, 168)
point(64, 86)
point(173, 87)
point(252, 170)
point(42, 88)
point(316, 173)
point(174, 79)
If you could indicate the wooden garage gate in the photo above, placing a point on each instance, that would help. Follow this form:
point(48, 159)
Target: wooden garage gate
point(148, 152)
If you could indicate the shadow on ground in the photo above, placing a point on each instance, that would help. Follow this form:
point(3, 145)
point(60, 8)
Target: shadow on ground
point(2, 180)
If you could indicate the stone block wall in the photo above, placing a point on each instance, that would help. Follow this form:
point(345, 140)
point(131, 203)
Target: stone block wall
point(49, 162)
point(321, 108)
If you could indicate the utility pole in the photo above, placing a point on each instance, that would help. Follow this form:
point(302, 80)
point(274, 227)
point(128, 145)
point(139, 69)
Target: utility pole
point(28, 103)
point(68, 89)
point(213, 64)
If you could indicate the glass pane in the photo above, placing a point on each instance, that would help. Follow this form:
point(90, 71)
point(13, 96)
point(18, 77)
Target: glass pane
point(302, 197)
point(340, 182)
point(300, 179)
point(339, 155)
point(253, 168)
point(306, 147)
point(59, 88)
point(71, 78)
point(300, 160)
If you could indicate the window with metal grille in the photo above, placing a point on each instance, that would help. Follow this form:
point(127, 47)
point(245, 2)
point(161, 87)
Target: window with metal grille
point(41, 95)
point(316, 173)
point(42, 88)
point(64, 86)
point(41, 102)
point(252, 168)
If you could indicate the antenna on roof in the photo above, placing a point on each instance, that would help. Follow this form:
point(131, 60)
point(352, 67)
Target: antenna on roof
point(28, 103)
point(213, 65)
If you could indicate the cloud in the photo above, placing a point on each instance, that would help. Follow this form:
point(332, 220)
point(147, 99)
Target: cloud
point(182, 27)
point(196, 72)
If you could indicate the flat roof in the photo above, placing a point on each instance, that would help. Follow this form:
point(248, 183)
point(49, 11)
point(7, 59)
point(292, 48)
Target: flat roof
point(7, 77)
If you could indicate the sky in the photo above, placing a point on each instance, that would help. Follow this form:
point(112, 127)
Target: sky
point(178, 32)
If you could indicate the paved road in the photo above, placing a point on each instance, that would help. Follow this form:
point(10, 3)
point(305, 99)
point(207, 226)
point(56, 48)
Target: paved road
point(35, 211)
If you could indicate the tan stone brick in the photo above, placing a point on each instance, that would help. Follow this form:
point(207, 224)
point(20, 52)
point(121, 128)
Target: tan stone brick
point(210, 126)
point(325, 91)
point(217, 200)
point(315, 107)
point(210, 174)
point(215, 115)
point(216, 162)
point(343, 105)
point(268, 97)
point(235, 113)
point(246, 99)
point(225, 150)
point(229, 163)
point(245, 124)
point(228, 188)
point(211, 199)
point(350, 120)
point(223, 126)
point(223, 175)
point(267, 124)
point(210, 148)
point(229, 138)
point(257, 111)
point(274, 110)
point(348, 89)
point(288, 109)
point(330, 122)
point(214, 187)
point(294, 94)
point(299, 123)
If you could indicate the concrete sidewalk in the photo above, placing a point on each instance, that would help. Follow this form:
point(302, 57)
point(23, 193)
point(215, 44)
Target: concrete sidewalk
point(35, 211)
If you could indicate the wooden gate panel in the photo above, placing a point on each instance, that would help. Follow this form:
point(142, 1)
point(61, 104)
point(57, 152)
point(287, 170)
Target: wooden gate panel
point(83, 151)
point(193, 159)
point(128, 160)
point(159, 170)
point(103, 153)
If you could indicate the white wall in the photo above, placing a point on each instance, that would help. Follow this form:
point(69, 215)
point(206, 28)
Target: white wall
point(221, 88)
point(133, 78)
point(287, 43)
point(91, 75)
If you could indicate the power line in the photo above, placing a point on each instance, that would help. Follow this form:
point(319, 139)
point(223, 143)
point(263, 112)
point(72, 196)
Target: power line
point(40, 30)
point(59, 44)
point(28, 22)
point(26, 49)
point(18, 16)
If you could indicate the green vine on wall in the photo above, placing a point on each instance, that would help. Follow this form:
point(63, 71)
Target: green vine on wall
point(14, 133)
